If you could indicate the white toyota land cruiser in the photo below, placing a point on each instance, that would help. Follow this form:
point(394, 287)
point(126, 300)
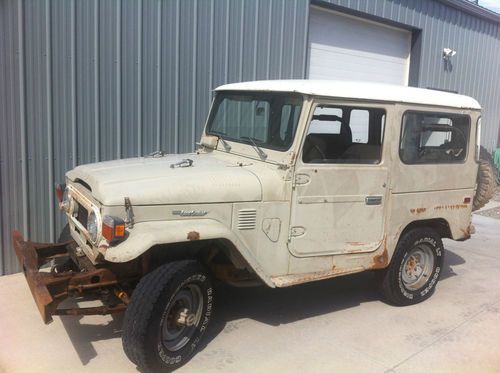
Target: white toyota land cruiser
point(293, 181)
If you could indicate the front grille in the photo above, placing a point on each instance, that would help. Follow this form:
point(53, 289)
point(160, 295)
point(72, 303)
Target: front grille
point(82, 215)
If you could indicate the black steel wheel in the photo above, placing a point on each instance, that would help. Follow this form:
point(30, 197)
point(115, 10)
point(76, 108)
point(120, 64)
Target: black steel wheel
point(167, 316)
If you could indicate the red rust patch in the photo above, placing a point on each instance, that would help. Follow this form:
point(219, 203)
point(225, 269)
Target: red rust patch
point(468, 231)
point(451, 207)
point(419, 210)
point(382, 260)
point(193, 236)
point(290, 280)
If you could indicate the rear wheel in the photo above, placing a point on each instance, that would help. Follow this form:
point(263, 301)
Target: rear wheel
point(167, 316)
point(415, 268)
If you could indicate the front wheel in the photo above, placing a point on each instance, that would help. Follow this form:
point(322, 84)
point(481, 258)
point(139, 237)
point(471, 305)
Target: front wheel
point(415, 268)
point(167, 316)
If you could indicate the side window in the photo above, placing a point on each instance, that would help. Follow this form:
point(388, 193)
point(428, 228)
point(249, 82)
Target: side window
point(344, 134)
point(434, 138)
point(359, 123)
point(326, 120)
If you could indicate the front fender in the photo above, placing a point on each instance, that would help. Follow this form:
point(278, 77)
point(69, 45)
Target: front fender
point(145, 235)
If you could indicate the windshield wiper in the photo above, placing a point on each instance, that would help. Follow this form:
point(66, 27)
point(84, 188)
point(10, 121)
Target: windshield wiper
point(257, 148)
point(226, 145)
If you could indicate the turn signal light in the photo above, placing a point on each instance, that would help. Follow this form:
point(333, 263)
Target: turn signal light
point(60, 191)
point(62, 197)
point(113, 228)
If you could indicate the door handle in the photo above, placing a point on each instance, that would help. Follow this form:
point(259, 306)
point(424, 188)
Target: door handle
point(373, 200)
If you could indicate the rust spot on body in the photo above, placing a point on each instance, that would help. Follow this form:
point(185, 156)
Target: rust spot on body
point(451, 207)
point(468, 231)
point(419, 210)
point(290, 280)
point(381, 260)
point(193, 236)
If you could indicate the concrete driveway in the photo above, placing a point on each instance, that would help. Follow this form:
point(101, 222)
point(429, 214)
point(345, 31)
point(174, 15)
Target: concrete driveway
point(335, 325)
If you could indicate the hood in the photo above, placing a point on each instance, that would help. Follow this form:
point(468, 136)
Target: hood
point(152, 181)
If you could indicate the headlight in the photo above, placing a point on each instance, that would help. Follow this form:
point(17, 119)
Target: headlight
point(92, 226)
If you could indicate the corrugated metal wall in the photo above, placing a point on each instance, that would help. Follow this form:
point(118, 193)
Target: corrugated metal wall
point(476, 66)
point(84, 81)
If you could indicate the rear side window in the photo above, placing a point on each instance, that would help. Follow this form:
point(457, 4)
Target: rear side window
point(434, 137)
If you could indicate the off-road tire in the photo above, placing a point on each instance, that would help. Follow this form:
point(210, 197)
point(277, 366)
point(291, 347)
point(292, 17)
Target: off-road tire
point(486, 180)
point(149, 307)
point(393, 287)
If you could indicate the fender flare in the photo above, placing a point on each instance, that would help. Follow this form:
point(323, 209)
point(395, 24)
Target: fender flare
point(145, 235)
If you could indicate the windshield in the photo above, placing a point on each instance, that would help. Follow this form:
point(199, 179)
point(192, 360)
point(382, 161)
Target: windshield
point(268, 120)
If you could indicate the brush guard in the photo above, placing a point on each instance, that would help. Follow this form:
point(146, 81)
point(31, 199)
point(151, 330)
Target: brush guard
point(49, 289)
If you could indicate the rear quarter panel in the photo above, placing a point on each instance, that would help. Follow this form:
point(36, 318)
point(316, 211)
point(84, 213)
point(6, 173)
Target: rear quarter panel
point(431, 191)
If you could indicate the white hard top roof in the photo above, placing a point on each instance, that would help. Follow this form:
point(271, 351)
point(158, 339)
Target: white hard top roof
point(358, 90)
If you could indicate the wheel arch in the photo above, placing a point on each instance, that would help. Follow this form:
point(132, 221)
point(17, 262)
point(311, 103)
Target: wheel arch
point(185, 239)
point(440, 225)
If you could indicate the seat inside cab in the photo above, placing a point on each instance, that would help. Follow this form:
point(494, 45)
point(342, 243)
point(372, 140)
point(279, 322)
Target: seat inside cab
point(344, 134)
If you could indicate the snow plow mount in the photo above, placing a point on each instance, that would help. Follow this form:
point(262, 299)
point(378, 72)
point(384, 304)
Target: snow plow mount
point(50, 288)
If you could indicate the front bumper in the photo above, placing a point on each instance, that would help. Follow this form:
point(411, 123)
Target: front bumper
point(49, 289)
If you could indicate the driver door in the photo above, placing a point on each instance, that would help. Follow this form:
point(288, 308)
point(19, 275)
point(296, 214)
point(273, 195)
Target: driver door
point(340, 182)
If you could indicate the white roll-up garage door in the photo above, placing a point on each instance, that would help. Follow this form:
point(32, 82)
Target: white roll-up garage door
point(351, 48)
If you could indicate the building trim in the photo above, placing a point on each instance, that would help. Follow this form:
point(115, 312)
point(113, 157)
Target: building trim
point(473, 9)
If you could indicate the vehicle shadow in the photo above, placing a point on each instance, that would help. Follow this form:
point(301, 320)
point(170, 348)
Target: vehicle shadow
point(283, 306)
point(451, 260)
point(82, 333)
point(263, 304)
point(288, 305)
